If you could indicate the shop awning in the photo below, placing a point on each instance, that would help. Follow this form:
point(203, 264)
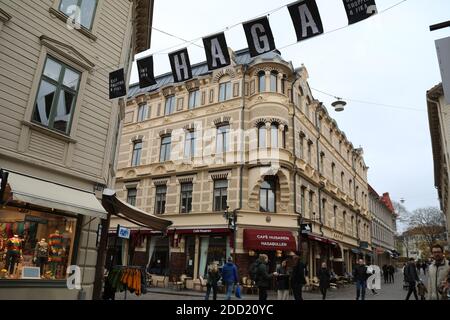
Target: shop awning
point(51, 195)
point(128, 212)
point(269, 240)
point(318, 238)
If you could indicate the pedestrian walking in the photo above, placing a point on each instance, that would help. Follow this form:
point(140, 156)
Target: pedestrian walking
point(391, 271)
point(262, 276)
point(360, 276)
point(438, 274)
point(282, 281)
point(411, 277)
point(324, 276)
point(212, 281)
point(229, 277)
point(385, 273)
point(298, 277)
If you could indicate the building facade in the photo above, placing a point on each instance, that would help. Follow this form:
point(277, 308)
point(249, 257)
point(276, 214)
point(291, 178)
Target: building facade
point(439, 120)
point(243, 160)
point(384, 227)
point(58, 132)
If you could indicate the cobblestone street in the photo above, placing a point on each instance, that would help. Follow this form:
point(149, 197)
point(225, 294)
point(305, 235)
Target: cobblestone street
point(389, 291)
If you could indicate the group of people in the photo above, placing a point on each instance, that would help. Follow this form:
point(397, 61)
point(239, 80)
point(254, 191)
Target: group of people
point(292, 274)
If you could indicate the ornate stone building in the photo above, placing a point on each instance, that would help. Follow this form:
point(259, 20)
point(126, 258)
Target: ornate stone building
point(250, 137)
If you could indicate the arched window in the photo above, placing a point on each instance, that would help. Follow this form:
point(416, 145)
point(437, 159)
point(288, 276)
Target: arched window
point(262, 81)
point(274, 135)
point(274, 81)
point(267, 195)
point(262, 136)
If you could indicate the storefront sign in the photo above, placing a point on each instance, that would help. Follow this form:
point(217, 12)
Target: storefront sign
point(202, 231)
point(117, 87)
point(124, 233)
point(269, 240)
point(306, 19)
point(35, 219)
point(363, 244)
point(181, 66)
point(358, 10)
point(306, 228)
point(216, 50)
point(259, 36)
point(145, 71)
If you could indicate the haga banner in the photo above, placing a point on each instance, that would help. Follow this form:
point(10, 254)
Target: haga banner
point(145, 70)
point(117, 87)
point(358, 10)
point(259, 36)
point(216, 50)
point(306, 19)
point(181, 67)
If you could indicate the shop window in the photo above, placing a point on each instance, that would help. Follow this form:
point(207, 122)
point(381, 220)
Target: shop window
point(159, 255)
point(186, 197)
point(56, 97)
point(160, 206)
point(190, 255)
point(83, 9)
point(220, 195)
point(36, 244)
point(267, 195)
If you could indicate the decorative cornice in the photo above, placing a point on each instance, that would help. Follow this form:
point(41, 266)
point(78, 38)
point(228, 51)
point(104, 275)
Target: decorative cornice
point(227, 72)
point(165, 132)
point(160, 182)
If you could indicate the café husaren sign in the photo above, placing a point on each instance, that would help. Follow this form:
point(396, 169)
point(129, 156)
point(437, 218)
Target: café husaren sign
point(273, 240)
point(305, 18)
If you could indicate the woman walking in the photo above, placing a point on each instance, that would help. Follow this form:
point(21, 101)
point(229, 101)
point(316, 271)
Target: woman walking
point(324, 276)
point(213, 279)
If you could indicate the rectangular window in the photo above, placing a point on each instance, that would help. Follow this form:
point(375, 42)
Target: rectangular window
point(170, 105)
point(131, 196)
point(224, 91)
point(186, 197)
point(142, 112)
point(45, 241)
point(220, 195)
point(82, 9)
point(160, 206)
point(194, 99)
point(165, 149)
point(189, 145)
point(137, 150)
point(267, 197)
point(222, 142)
point(56, 97)
point(262, 136)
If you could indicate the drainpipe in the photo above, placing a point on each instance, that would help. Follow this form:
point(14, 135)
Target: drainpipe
point(321, 186)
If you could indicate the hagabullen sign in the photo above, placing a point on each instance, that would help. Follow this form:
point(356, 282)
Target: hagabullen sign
point(269, 240)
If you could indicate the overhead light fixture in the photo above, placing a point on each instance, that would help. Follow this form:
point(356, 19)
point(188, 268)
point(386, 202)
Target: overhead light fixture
point(339, 105)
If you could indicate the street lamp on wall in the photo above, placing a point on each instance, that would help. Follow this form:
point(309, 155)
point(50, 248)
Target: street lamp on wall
point(231, 218)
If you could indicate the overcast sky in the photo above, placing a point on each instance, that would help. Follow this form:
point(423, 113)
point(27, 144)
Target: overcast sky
point(388, 59)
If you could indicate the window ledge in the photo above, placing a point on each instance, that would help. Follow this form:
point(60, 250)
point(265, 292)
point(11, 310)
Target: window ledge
point(23, 283)
point(48, 132)
point(61, 16)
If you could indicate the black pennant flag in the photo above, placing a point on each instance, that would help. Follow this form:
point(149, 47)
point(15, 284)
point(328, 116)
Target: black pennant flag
point(306, 19)
point(259, 36)
point(216, 50)
point(358, 10)
point(181, 67)
point(117, 86)
point(145, 70)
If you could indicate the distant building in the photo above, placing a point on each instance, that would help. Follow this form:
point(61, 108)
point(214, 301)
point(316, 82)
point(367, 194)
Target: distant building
point(414, 242)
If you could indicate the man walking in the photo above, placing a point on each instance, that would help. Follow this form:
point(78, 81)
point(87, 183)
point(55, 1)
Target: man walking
point(437, 274)
point(360, 275)
point(385, 273)
point(391, 271)
point(324, 276)
point(298, 277)
point(230, 277)
point(262, 276)
point(411, 277)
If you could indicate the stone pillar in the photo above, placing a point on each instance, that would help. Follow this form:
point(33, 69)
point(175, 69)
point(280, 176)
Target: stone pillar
point(268, 135)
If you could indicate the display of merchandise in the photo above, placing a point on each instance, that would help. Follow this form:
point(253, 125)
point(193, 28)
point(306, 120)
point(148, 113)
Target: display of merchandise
point(56, 251)
point(41, 255)
point(121, 278)
point(13, 253)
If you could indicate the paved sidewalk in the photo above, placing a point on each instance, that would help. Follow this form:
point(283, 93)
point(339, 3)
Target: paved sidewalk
point(389, 291)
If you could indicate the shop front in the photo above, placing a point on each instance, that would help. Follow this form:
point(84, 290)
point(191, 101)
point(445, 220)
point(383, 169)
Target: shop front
point(44, 229)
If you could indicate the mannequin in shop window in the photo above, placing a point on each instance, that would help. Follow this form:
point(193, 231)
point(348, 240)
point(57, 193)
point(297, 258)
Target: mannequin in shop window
point(56, 252)
point(41, 255)
point(13, 253)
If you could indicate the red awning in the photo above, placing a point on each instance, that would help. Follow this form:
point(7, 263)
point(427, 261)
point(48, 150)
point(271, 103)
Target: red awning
point(318, 238)
point(269, 240)
point(200, 231)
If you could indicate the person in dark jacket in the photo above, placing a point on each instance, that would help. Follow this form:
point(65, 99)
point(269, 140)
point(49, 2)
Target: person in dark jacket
point(324, 276)
point(298, 277)
point(262, 276)
point(385, 273)
point(411, 277)
point(229, 277)
point(391, 271)
point(360, 276)
point(213, 279)
point(282, 281)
